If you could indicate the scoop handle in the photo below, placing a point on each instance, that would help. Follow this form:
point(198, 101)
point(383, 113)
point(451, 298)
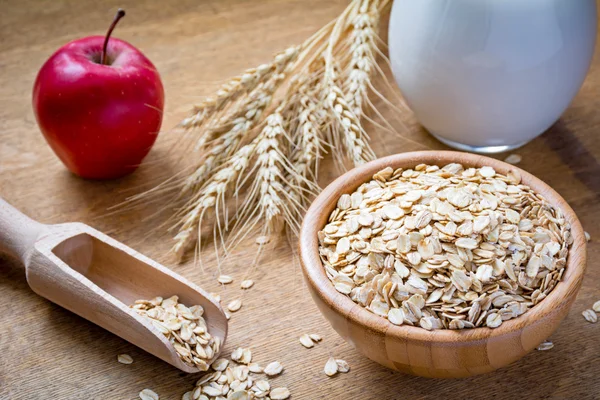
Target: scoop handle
point(18, 232)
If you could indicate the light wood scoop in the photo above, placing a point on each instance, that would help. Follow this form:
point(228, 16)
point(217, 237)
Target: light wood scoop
point(96, 277)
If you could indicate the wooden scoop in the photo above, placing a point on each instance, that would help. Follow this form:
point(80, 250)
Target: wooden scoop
point(96, 277)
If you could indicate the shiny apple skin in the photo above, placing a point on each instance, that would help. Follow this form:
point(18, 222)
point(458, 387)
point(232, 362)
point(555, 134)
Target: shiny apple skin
point(101, 120)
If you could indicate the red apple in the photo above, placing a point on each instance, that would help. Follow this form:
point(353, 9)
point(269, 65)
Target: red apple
point(99, 104)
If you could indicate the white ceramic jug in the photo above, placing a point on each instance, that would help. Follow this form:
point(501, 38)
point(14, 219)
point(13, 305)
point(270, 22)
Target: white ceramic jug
point(490, 75)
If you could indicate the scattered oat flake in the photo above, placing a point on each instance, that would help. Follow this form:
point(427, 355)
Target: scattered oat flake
point(343, 366)
point(124, 359)
point(234, 305)
point(513, 159)
point(545, 346)
point(280, 393)
point(587, 236)
point(315, 337)
point(331, 367)
point(235, 383)
point(256, 368)
point(596, 306)
point(148, 394)
point(306, 341)
point(273, 368)
point(590, 316)
point(262, 240)
point(247, 284)
point(225, 279)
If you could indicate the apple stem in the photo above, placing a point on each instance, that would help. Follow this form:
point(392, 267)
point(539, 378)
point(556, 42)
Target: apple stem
point(120, 14)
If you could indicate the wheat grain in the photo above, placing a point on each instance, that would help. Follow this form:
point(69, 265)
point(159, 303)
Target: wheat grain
point(237, 130)
point(362, 61)
point(267, 201)
point(353, 135)
point(308, 145)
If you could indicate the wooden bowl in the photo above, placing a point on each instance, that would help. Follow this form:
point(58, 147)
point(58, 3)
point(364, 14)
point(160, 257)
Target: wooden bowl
point(438, 353)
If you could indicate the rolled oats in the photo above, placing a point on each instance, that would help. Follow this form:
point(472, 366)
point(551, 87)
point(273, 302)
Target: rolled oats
point(445, 248)
point(306, 341)
point(234, 305)
point(247, 284)
point(317, 338)
point(513, 159)
point(545, 346)
point(274, 368)
point(184, 327)
point(124, 359)
point(331, 367)
point(343, 366)
point(225, 279)
point(148, 394)
point(590, 316)
point(280, 393)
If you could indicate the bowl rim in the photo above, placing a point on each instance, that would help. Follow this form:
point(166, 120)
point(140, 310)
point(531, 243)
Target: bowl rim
point(324, 204)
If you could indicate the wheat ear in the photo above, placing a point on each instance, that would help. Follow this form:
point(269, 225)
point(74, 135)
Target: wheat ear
point(267, 200)
point(273, 170)
point(237, 86)
point(308, 146)
point(353, 135)
point(362, 60)
point(226, 144)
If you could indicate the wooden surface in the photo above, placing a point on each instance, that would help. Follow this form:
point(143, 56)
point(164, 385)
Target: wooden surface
point(441, 353)
point(48, 352)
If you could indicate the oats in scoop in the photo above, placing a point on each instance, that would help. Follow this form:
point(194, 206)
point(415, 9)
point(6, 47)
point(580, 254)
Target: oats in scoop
point(124, 359)
point(184, 327)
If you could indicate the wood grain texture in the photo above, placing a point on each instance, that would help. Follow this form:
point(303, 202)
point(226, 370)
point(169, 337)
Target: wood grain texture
point(438, 353)
point(48, 352)
point(97, 278)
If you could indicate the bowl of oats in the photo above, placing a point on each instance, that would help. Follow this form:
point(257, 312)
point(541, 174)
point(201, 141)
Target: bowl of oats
point(442, 264)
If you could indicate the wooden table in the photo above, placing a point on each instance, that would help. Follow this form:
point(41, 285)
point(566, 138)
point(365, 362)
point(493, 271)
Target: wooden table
point(47, 352)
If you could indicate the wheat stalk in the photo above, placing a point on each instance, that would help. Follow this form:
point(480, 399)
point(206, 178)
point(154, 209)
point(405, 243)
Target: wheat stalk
point(211, 196)
point(266, 157)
